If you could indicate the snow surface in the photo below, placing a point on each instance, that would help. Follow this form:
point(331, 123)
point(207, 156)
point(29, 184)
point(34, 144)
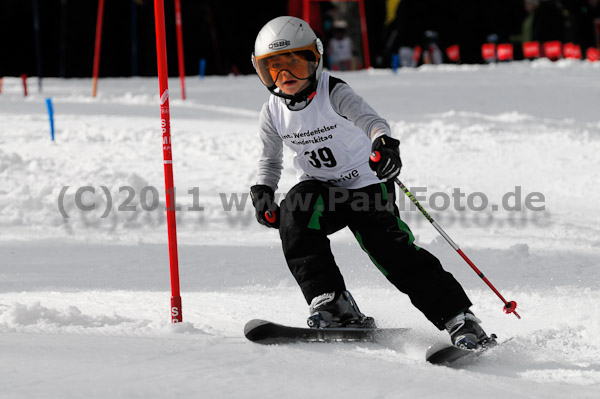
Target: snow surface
point(84, 300)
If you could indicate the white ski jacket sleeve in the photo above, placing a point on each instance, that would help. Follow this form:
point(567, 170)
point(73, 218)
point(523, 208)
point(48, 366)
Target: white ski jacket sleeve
point(270, 162)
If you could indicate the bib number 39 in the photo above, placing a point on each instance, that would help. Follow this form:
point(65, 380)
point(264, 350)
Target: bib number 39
point(321, 157)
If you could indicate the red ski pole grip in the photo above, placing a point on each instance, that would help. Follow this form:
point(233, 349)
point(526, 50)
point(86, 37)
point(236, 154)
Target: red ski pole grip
point(375, 156)
point(270, 216)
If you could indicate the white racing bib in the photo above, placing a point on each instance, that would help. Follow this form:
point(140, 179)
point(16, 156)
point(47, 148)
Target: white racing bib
point(326, 146)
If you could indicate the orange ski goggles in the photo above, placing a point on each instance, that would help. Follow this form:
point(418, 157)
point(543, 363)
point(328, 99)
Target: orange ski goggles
point(300, 62)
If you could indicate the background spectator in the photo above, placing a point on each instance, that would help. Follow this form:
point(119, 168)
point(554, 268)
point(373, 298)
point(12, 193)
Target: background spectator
point(340, 48)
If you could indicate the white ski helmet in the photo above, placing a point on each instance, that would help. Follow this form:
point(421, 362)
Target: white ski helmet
point(288, 35)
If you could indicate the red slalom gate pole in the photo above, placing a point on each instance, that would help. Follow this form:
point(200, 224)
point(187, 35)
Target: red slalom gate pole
point(97, 47)
point(365, 38)
point(163, 75)
point(180, 47)
point(24, 81)
point(509, 306)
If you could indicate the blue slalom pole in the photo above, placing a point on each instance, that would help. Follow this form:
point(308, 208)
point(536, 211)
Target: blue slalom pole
point(395, 63)
point(51, 116)
point(202, 68)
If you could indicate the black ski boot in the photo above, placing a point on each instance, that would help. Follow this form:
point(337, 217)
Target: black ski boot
point(337, 310)
point(465, 331)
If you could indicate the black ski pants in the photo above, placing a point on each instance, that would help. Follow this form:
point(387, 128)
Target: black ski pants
point(312, 210)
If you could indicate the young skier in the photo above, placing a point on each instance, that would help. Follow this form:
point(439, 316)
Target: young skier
point(332, 132)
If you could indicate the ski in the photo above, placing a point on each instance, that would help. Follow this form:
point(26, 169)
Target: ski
point(443, 353)
point(268, 333)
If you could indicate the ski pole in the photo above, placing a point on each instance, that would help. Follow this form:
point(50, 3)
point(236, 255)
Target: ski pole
point(509, 306)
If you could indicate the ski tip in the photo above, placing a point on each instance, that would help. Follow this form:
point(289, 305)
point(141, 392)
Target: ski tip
point(254, 330)
point(444, 353)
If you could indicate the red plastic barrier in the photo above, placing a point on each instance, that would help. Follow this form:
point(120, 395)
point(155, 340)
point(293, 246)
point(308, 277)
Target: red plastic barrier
point(531, 50)
point(453, 53)
point(505, 52)
point(592, 54)
point(488, 52)
point(572, 51)
point(553, 50)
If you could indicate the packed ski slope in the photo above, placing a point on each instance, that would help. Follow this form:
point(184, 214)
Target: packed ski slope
point(504, 156)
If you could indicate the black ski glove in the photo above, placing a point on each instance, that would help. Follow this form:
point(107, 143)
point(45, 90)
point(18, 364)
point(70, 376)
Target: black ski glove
point(385, 157)
point(267, 211)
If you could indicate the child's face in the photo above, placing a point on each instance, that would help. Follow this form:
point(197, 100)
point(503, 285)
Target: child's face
point(291, 71)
